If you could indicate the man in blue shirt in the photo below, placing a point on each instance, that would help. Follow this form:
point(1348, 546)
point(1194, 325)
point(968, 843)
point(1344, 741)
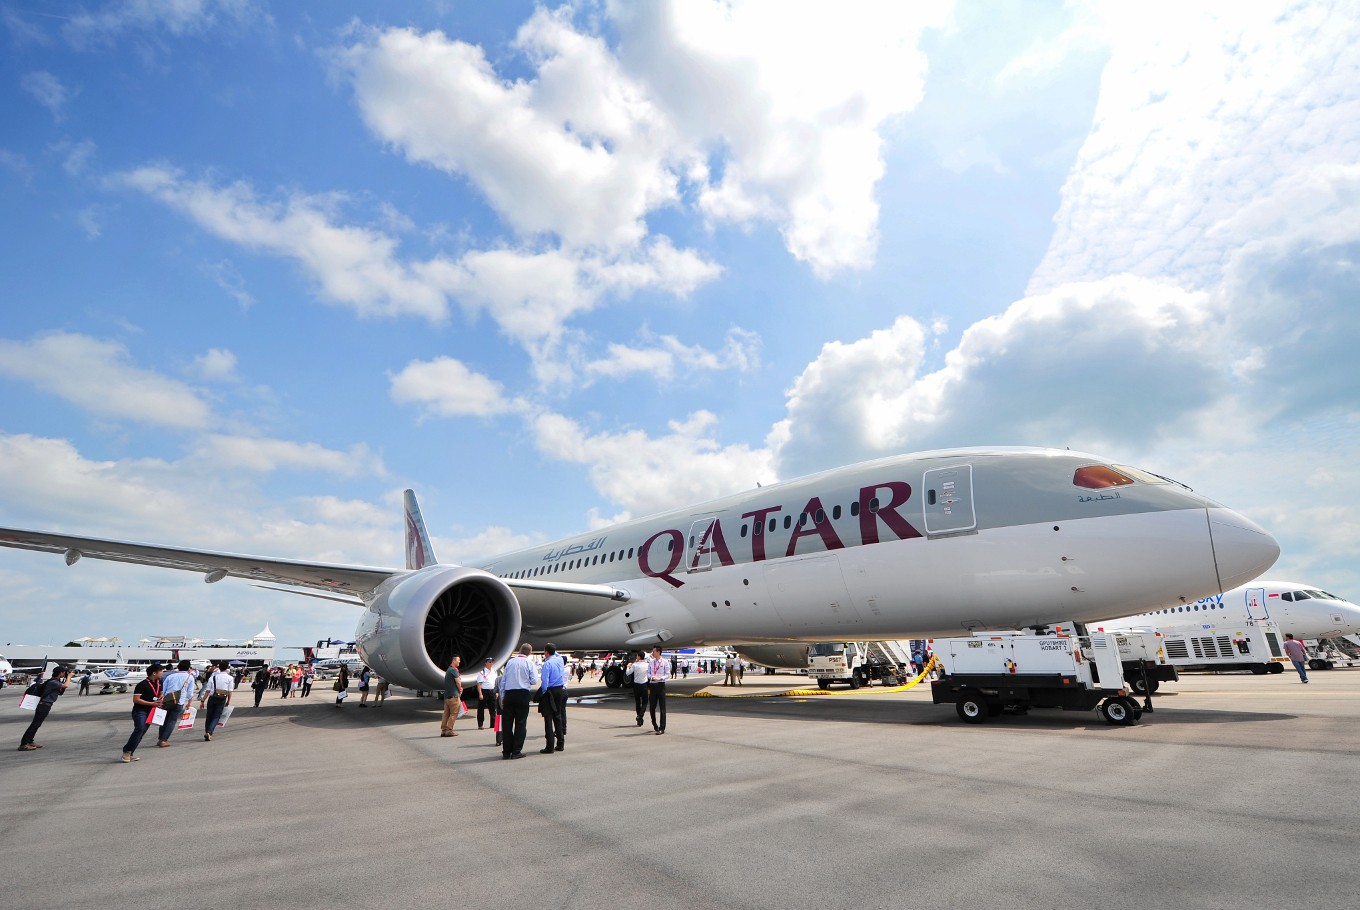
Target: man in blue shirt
point(552, 700)
point(177, 694)
point(518, 682)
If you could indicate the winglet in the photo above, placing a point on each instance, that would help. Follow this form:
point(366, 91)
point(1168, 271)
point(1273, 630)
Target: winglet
point(419, 553)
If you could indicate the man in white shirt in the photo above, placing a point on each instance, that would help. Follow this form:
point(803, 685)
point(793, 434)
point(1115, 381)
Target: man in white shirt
point(217, 695)
point(637, 672)
point(658, 671)
point(731, 678)
point(486, 693)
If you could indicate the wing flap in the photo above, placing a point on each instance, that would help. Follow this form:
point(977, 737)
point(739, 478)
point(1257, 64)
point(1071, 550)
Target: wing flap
point(353, 580)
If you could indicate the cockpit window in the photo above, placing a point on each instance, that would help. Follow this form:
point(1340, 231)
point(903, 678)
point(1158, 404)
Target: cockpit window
point(1099, 476)
point(1301, 595)
point(1318, 595)
point(1141, 476)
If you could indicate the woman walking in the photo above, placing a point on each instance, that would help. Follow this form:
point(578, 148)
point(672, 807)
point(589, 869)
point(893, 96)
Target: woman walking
point(342, 685)
point(145, 699)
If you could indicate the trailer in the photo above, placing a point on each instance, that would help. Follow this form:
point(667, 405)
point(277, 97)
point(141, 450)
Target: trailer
point(1254, 645)
point(991, 673)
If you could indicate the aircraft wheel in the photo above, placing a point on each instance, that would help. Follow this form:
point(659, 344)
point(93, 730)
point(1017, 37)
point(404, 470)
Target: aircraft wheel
point(613, 677)
point(1117, 712)
point(972, 707)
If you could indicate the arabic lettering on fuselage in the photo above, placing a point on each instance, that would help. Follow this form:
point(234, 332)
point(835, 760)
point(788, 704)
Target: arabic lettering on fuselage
point(1096, 498)
point(555, 555)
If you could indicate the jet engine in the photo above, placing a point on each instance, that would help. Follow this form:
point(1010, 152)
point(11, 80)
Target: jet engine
point(417, 621)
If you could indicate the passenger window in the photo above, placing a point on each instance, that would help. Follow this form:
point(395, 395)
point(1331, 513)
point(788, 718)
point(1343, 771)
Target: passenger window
point(819, 517)
point(854, 509)
point(630, 552)
point(743, 529)
point(670, 544)
point(930, 497)
point(757, 528)
point(774, 523)
point(873, 505)
point(802, 519)
point(788, 522)
point(835, 513)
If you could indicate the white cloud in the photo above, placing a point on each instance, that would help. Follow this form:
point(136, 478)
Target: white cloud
point(445, 387)
point(48, 91)
point(474, 549)
point(530, 294)
point(645, 475)
point(786, 103)
point(98, 377)
point(353, 265)
point(260, 455)
point(1196, 123)
point(577, 152)
point(216, 364)
point(178, 18)
point(668, 355)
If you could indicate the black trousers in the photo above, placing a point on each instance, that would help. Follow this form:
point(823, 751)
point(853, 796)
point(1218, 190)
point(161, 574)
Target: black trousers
point(39, 715)
point(486, 706)
point(656, 696)
point(553, 707)
point(640, 700)
point(514, 718)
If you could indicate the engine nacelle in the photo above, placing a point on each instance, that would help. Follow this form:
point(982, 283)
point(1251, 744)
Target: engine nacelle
point(416, 622)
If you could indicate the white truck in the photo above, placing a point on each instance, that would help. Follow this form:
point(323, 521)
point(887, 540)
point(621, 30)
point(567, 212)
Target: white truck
point(858, 663)
point(990, 673)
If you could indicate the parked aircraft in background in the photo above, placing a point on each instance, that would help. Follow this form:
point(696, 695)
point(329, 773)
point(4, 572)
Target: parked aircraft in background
point(120, 678)
point(913, 546)
point(1303, 610)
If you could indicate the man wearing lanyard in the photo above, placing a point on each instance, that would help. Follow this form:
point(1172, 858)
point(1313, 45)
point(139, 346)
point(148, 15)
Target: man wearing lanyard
point(145, 699)
point(518, 682)
point(486, 693)
point(552, 700)
point(658, 671)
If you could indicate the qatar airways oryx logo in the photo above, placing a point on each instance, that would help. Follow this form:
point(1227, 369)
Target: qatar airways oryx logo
point(664, 552)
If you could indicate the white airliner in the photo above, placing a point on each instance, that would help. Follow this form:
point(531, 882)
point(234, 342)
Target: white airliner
point(1304, 610)
point(913, 546)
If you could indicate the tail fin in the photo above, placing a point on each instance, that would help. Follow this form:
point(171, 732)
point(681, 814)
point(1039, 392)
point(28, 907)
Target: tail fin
point(419, 553)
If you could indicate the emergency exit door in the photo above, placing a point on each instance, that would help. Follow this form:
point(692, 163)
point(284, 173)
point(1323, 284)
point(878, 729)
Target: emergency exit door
point(948, 500)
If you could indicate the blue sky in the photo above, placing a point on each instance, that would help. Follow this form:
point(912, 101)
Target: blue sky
point(268, 265)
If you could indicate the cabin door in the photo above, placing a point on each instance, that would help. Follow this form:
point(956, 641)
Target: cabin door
point(948, 500)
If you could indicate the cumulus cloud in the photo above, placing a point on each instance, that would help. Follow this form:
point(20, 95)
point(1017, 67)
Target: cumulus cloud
point(578, 152)
point(217, 364)
point(100, 378)
point(644, 474)
point(784, 107)
point(786, 104)
point(445, 387)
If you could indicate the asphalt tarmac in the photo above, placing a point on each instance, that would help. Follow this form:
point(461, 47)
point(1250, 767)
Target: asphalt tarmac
point(1239, 791)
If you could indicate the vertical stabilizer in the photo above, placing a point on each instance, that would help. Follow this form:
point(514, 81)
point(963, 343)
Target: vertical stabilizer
point(419, 553)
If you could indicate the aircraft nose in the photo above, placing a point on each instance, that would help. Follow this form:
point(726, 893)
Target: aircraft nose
point(1242, 548)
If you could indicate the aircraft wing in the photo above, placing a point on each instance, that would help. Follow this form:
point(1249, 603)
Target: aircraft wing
point(334, 579)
